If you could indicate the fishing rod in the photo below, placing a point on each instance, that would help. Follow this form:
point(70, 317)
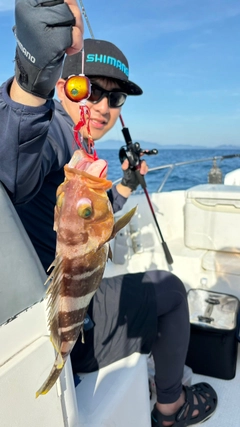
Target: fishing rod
point(133, 153)
point(84, 13)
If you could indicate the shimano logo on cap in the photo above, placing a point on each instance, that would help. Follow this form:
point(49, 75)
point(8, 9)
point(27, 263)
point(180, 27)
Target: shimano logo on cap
point(110, 60)
point(25, 52)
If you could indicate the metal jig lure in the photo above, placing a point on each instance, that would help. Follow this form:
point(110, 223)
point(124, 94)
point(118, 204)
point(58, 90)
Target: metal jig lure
point(78, 89)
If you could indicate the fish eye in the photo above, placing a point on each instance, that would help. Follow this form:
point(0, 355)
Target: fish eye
point(60, 198)
point(84, 208)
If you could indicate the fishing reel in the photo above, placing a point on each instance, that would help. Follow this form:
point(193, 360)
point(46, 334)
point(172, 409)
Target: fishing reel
point(132, 152)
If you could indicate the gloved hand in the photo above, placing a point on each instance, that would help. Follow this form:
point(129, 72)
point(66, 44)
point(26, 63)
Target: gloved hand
point(133, 168)
point(43, 31)
point(130, 179)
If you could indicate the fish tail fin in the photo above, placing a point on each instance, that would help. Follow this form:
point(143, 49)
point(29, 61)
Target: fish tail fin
point(53, 376)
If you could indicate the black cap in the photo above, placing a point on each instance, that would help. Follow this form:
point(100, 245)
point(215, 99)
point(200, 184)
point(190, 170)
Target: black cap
point(102, 59)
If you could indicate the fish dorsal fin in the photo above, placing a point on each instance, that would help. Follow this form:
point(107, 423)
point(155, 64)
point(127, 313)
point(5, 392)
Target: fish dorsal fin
point(122, 222)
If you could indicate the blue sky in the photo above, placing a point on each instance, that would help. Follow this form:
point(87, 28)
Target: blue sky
point(185, 55)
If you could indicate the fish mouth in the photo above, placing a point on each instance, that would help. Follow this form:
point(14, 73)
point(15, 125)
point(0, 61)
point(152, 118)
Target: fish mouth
point(85, 162)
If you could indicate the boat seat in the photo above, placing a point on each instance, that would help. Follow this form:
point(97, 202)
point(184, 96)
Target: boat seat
point(222, 262)
point(22, 274)
point(115, 396)
point(26, 355)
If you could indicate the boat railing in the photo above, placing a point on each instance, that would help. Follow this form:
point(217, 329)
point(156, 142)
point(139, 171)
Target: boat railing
point(171, 166)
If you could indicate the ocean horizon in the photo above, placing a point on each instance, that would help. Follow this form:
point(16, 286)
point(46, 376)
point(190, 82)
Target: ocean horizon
point(116, 144)
point(181, 177)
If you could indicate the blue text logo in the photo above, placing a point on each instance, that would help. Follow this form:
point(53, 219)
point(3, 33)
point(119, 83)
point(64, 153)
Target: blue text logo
point(104, 59)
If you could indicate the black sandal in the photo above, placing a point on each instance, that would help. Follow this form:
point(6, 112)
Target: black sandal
point(205, 408)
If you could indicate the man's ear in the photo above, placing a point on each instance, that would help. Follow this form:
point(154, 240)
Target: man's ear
point(60, 89)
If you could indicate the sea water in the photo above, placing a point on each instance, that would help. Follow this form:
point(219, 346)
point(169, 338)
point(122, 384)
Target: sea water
point(181, 177)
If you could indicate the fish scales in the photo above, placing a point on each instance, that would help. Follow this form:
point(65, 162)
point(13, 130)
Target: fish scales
point(84, 223)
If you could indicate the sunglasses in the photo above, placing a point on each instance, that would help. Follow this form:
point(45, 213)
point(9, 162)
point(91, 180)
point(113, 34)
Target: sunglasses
point(115, 98)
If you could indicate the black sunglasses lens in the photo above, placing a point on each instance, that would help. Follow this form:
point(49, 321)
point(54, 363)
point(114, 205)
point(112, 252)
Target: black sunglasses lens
point(116, 99)
point(96, 94)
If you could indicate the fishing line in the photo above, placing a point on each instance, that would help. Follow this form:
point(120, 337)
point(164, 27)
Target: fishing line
point(135, 168)
point(86, 19)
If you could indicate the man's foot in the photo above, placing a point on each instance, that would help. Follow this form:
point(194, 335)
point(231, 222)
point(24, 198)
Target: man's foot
point(194, 406)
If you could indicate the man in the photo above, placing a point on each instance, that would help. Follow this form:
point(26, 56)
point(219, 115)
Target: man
point(105, 108)
point(137, 312)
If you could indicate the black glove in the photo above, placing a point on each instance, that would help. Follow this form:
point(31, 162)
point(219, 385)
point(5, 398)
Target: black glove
point(130, 179)
point(43, 31)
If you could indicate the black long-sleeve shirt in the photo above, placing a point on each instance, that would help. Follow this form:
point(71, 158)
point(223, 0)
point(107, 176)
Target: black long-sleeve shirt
point(35, 144)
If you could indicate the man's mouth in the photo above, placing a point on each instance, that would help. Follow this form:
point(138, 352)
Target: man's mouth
point(98, 124)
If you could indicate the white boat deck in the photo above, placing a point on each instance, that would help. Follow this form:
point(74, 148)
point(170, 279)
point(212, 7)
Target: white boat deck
point(228, 410)
point(228, 391)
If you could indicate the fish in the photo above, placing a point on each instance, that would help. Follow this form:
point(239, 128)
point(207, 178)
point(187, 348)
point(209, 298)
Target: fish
point(84, 225)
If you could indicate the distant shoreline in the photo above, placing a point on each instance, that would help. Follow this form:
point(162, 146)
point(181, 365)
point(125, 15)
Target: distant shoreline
point(115, 145)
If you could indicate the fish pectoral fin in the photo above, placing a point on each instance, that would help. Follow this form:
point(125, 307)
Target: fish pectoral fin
point(110, 255)
point(122, 222)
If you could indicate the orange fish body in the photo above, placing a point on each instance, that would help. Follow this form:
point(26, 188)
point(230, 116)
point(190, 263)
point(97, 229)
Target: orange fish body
point(84, 223)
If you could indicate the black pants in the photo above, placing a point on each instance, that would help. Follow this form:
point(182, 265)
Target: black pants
point(170, 346)
point(142, 312)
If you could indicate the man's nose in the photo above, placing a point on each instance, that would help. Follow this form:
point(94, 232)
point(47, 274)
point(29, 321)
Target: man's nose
point(103, 106)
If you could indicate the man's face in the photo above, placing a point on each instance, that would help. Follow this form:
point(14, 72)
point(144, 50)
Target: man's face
point(102, 117)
